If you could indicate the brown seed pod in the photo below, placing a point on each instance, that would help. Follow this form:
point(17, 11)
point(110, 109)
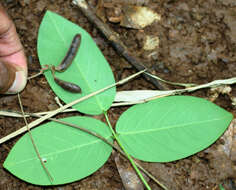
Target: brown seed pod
point(70, 55)
point(71, 87)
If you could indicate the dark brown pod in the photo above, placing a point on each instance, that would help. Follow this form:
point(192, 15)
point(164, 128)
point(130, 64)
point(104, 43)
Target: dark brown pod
point(70, 55)
point(71, 87)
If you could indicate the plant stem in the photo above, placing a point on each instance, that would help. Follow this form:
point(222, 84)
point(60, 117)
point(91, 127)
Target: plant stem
point(39, 73)
point(127, 154)
point(32, 140)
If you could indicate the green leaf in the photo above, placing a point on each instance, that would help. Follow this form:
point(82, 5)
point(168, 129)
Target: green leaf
point(221, 187)
point(89, 69)
point(171, 128)
point(70, 154)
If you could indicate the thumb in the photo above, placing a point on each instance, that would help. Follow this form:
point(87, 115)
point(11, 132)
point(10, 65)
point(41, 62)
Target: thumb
point(13, 64)
point(12, 79)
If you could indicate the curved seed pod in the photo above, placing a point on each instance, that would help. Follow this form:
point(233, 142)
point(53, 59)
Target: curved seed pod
point(70, 55)
point(71, 87)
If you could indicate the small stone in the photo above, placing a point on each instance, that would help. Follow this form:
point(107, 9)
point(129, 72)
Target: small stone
point(151, 43)
point(138, 17)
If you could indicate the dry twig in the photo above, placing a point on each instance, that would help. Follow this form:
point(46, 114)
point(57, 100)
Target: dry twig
point(59, 110)
point(39, 73)
point(115, 41)
point(127, 2)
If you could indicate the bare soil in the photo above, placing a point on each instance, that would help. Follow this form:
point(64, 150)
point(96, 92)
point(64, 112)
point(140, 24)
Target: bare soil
point(197, 45)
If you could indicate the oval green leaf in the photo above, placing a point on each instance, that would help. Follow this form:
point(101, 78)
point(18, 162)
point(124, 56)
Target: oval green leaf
point(171, 128)
point(89, 69)
point(69, 154)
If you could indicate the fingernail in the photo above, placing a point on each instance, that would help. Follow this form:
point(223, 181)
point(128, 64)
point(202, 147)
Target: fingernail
point(12, 79)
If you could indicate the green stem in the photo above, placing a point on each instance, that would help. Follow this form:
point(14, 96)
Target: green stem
point(126, 153)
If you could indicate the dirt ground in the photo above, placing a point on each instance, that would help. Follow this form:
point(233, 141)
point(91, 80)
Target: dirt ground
point(197, 45)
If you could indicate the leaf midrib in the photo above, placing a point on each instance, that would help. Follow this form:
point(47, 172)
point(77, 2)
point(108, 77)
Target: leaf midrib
point(59, 152)
point(168, 127)
point(82, 75)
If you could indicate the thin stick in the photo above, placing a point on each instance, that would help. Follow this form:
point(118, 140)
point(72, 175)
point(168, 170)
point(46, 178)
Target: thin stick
point(128, 2)
point(40, 120)
point(103, 139)
point(32, 140)
point(39, 73)
point(36, 75)
point(9, 113)
point(186, 85)
point(115, 40)
point(159, 94)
